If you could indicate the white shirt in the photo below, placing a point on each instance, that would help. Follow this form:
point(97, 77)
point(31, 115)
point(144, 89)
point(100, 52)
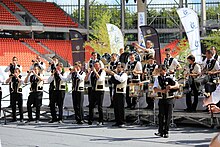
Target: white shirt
point(216, 67)
point(121, 78)
point(151, 51)
point(101, 63)
point(8, 68)
point(42, 66)
point(138, 67)
point(101, 76)
point(69, 77)
point(51, 78)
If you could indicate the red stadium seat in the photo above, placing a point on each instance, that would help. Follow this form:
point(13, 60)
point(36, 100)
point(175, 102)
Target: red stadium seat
point(6, 18)
point(48, 14)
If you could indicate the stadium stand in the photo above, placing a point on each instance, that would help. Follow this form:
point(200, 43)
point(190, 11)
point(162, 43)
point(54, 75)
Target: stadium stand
point(48, 14)
point(60, 47)
point(11, 5)
point(33, 43)
point(10, 47)
point(6, 18)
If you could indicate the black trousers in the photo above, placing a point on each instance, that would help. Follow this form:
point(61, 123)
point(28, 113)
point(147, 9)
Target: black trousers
point(57, 99)
point(131, 101)
point(189, 104)
point(89, 94)
point(119, 110)
point(50, 96)
point(17, 97)
point(0, 100)
point(165, 114)
point(35, 99)
point(78, 99)
point(96, 98)
point(111, 94)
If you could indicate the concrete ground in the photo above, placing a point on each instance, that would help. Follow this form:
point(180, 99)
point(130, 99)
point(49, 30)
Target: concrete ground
point(72, 135)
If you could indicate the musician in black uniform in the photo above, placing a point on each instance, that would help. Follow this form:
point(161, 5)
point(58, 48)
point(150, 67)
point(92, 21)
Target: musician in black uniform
point(52, 68)
point(10, 68)
point(36, 92)
point(119, 80)
point(164, 85)
point(97, 80)
point(194, 71)
point(148, 70)
point(134, 70)
point(211, 67)
point(58, 93)
point(171, 63)
point(112, 67)
point(215, 53)
point(16, 94)
point(1, 81)
point(90, 65)
point(77, 76)
point(39, 63)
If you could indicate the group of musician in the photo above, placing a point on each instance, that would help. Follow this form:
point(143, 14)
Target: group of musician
point(161, 78)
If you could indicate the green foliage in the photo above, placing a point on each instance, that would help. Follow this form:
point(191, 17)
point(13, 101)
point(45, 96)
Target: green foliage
point(213, 39)
point(99, 35)
point(212, 12)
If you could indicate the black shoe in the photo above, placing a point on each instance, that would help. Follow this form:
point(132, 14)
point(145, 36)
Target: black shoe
point(133, 108)
point(149, 108)
point(13, 120)
point(29, 120)
point(115, 125)
point(9, 106)
point(79, 122)
point(121, 126)
point(187, 110)
point(111, 106)
point(206, 110)
point(100, 123)
point(89, 122)
point(52, 121)
point(37, 121)
point(21, 120)
point(158, 134)
point(60, 121)
point(165, 136)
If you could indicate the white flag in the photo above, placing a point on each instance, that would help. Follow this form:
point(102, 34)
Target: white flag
point(116, 38)
point(190, 23)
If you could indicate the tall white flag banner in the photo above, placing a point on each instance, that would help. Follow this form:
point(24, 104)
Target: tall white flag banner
point(190, 22)
point(115, 37)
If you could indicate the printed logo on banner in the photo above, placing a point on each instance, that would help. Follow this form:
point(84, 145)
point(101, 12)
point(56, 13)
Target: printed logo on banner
point(185, 12)
point(149, 31)
point(196, 43)
point(192, 25)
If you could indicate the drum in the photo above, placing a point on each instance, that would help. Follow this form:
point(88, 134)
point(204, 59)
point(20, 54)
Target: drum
point(136, 90)
point(124, 58)
point(106, 58)
point(202, 79)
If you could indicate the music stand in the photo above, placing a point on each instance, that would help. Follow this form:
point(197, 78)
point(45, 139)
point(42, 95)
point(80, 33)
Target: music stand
point(136, 90)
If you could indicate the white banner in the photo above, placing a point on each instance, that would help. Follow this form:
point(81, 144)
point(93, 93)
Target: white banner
point(115, 37)
point(141, 21)
point(190, 23)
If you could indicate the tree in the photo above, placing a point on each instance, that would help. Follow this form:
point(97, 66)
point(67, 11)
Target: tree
point(213, 39)
point(99, 39)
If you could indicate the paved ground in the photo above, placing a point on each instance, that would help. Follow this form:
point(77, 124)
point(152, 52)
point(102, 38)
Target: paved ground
point(72, 135)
